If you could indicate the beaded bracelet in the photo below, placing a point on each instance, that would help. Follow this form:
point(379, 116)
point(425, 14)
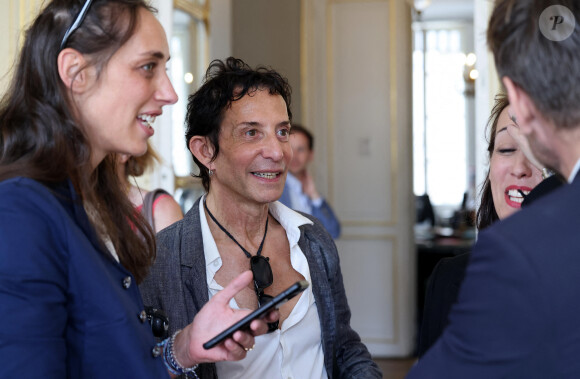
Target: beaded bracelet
point(170, 360)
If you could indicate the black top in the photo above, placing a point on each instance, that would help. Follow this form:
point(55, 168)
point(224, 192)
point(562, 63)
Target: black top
point(442, 290)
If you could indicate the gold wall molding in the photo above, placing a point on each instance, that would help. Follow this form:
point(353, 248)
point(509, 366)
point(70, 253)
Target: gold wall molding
point(196, 10)
point(357, 1)
point(305, 33)
point(394, 104)
point(201, 12)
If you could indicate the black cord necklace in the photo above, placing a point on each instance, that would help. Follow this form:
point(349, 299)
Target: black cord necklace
point(232, 237)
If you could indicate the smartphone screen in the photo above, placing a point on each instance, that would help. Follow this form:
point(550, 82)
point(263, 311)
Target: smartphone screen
point(276, 302)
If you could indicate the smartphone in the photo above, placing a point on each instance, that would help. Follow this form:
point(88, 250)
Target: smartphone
point(276, 302)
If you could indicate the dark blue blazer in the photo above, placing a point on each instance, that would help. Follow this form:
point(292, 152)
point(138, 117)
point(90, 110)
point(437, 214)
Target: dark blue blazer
point(68, 310)
point(517, 310)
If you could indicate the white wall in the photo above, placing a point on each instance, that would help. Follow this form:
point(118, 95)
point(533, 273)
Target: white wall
point(356, 59)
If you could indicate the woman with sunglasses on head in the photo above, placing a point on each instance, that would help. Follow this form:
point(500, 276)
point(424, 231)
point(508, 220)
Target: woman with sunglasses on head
point(238, 127)
point(88, 85)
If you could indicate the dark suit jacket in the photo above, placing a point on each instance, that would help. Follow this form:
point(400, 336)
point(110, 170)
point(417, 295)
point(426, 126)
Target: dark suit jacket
point(544, 187)
point(517, 311)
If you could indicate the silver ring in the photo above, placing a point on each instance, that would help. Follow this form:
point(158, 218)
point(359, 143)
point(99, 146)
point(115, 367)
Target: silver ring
point(249, 348)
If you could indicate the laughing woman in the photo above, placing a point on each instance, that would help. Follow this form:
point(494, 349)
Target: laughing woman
point(89, 83)
point(512, 177)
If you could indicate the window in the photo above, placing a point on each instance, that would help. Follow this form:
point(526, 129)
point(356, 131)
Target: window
point(188, 64)
point(440, 118)
point(189, 60)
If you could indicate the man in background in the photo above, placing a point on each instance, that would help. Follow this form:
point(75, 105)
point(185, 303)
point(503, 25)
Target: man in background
point(517, 311)
point(300, 191)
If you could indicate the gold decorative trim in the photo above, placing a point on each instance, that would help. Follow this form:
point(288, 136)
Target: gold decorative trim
point(330, 100)
point(304, 72)
point(360, 1)
point(187, 181)
point(394, 107)
point(13, 38)
point(200, 12)
point(21, 18)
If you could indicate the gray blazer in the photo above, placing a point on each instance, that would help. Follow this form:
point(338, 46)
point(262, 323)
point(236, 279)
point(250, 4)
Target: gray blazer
point(177, 284)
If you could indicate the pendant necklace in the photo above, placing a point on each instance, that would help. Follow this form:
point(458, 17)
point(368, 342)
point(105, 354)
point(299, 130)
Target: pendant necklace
point(232, 237)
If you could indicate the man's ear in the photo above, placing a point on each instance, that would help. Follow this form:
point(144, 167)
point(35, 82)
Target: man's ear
point(202, 149)
point(70, 69)
point(520, 103)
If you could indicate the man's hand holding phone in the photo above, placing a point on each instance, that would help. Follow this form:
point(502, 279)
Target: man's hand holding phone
point(259, 313)
point(215, 316)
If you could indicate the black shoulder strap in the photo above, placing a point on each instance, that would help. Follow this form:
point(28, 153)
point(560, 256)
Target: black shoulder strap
point(148, 200)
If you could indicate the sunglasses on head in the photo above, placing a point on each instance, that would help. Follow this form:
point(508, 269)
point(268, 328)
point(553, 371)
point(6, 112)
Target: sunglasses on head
point(77, 23)
point(263, 278)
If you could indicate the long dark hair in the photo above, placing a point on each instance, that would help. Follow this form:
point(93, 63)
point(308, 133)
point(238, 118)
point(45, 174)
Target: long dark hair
point(226, 82)
point(40, 137)
point(486, 214)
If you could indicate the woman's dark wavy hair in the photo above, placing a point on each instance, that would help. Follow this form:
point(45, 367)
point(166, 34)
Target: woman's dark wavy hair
point(486, 214)
point(40, 137)
point(226, 82)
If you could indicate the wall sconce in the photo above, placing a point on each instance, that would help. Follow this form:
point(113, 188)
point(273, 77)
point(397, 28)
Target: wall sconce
point(418, 6)
point(188, 78)
point(470, 74)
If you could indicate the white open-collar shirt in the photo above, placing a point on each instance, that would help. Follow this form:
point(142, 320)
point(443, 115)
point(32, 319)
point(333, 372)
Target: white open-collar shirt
point(574, 171)
point(294, 350)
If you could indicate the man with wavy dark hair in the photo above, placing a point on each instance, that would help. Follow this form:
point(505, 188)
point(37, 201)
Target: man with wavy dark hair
point(517, 310)
point(238, 131)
